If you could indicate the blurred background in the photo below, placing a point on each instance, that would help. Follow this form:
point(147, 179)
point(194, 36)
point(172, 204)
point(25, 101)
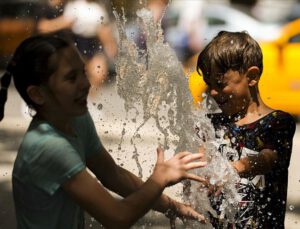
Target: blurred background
point(188, 26)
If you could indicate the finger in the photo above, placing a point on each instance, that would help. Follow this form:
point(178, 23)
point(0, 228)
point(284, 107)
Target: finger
point(211, 189)
point(160, 154)
point(194, 177)
point(182, 154)
point(196, 216)
point(201, 149)
point(195, 165)
point(172, 223)
point(202, 219)
point(192, 157)
point(219, 191)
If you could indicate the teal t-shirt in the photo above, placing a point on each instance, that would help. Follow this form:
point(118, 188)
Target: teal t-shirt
point(46, 159)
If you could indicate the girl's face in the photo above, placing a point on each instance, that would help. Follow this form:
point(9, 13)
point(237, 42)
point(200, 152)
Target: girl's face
point(68, 88)
point(231, 92)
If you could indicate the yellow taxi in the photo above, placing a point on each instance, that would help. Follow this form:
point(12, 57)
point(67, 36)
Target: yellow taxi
point(280, 83)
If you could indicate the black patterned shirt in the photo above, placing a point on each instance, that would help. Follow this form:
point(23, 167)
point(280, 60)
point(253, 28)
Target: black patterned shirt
point(264, 196)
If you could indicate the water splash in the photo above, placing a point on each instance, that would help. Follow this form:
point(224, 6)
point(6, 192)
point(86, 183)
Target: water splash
point(153, 84)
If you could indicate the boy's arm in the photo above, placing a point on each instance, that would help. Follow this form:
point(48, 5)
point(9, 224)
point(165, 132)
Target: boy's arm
point(258, 164)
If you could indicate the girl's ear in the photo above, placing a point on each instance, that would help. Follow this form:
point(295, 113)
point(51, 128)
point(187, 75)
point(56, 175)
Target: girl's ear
point(253, 75)
point(35, 94)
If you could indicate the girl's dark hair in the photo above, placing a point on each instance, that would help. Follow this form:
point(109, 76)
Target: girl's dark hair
point(30, 65)
point(229, 51)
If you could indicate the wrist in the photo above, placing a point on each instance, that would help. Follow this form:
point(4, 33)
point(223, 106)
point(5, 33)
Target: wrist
point(159, 178)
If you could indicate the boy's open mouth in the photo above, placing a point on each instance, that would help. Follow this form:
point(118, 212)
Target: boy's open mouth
point(221, 103)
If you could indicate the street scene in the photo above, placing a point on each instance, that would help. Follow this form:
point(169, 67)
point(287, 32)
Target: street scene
point(107, 109)
point(146, 48)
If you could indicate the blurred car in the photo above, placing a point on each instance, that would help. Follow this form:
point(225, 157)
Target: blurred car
point(184, 25)
point(224, 17)
point(280, 82)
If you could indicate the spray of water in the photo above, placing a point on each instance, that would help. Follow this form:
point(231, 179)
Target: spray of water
point(153, 84)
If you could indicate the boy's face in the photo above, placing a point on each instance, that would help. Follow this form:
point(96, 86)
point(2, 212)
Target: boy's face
point(231, 91)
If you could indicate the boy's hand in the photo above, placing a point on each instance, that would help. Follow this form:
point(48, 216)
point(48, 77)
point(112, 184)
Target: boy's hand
point(215, 190)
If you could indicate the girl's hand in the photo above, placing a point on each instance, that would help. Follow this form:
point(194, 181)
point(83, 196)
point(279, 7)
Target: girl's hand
point(176, 169)
point(182, 211)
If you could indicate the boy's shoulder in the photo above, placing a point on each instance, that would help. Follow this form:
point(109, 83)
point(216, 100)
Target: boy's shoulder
point(279, 120)
point(282, 116)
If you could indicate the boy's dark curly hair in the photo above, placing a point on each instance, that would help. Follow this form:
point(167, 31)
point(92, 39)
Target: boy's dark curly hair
point(229, 51)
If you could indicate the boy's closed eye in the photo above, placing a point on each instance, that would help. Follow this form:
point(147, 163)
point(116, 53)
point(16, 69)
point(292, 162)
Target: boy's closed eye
point(220, 84)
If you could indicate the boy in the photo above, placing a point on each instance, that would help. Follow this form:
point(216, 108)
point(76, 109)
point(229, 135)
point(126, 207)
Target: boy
point(231, 65)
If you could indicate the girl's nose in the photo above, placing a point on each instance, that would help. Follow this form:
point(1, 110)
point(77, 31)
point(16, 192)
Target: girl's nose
point(85, 83)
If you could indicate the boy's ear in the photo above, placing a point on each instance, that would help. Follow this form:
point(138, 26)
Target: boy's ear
point(253, 75)
point(35, 94)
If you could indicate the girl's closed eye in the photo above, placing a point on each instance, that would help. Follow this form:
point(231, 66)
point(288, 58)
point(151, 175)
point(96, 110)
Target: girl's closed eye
point(77, 74)
point(72, 76)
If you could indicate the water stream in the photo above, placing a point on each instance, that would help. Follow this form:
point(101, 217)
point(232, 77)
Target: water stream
point(154, 86)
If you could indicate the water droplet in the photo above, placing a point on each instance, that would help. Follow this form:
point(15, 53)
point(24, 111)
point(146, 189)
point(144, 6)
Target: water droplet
point(138, 136)
point(212, 181)
point(292, 207)
point(100, 106)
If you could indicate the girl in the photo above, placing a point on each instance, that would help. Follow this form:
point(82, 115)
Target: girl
point(51, 183)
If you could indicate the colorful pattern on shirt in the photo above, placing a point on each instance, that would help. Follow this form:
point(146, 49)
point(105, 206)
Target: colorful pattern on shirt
point(263, 196)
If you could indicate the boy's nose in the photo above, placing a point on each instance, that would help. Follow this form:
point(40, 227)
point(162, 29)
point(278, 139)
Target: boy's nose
point(213, 92)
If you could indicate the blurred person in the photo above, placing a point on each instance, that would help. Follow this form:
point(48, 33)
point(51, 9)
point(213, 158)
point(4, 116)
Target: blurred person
point(157, 7)
point(92, 33)
point(50, 20)
point(51, 182)
point(183, 27)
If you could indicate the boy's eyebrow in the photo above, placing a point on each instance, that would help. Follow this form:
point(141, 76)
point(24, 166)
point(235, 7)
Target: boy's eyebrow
point(219, 76)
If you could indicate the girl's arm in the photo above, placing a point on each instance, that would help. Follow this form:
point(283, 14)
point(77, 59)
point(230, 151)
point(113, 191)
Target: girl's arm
point(113, 213)
point(124, 183)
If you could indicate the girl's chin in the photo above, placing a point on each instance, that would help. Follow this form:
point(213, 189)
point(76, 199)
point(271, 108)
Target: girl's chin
point(81, 111)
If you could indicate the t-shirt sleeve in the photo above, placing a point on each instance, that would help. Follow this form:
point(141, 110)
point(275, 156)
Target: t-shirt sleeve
point(92, 143)
point(54, 162)
point(281, 138)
